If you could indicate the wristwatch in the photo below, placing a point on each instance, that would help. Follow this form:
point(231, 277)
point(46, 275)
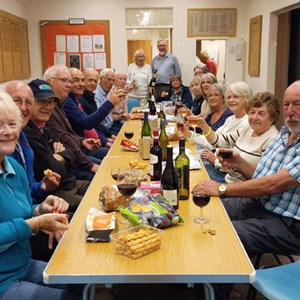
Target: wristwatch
point(222, 189)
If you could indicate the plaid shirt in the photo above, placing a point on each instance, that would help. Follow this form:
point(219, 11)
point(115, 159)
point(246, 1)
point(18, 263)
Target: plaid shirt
point(277, 156)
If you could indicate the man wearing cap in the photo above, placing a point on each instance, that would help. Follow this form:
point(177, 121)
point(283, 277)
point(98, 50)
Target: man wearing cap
point(23, 154)
point(49, 152)
point(59, 77)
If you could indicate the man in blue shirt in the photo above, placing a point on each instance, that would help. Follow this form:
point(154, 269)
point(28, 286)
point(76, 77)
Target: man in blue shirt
point(267, 217)
point(164, 66)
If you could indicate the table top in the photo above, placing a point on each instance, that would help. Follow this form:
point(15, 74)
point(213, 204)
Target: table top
point(187, 254)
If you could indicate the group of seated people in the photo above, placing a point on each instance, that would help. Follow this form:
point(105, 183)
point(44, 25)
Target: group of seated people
point(66, 123)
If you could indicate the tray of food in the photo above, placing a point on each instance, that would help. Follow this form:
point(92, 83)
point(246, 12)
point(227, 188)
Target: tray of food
point(129, 145)
point(137, 241)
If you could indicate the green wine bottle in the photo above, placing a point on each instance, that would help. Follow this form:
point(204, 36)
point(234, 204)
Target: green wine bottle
point(161, 114)
point(163, 139)
point(146, 130)
point(182, 165)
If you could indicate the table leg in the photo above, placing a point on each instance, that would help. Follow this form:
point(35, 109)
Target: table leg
point(209, 291)
point(88, 292)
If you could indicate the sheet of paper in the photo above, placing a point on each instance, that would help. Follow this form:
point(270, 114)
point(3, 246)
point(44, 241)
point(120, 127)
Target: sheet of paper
point(73, 43)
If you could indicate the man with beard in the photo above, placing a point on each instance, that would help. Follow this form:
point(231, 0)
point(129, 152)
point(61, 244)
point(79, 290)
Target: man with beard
point(164, 66)
point(265, 210)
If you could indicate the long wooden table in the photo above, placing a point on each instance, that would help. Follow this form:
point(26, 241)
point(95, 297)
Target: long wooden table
point(188, 254)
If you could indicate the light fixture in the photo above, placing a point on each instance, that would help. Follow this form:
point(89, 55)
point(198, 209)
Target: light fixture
point(76, 21)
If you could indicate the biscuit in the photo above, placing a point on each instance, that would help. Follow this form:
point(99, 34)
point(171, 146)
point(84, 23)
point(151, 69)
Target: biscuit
point(48, 173)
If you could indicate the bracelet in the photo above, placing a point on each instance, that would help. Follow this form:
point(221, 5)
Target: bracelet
point(208, 133)
point(35, 232)
point(190, 137)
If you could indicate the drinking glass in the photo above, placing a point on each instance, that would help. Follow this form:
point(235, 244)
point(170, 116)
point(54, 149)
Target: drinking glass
point(115, 172)
point(184, 111)
point(127, 184)
point(201, 200)
point(225, 153)
point(193, 121)
point(129, 134)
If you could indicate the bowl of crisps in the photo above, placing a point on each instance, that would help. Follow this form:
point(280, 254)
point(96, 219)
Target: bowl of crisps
point(137, 241)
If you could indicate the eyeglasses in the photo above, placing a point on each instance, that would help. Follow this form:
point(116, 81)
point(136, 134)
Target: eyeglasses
point(28, 103)
point(109, 79)
point(64, 80)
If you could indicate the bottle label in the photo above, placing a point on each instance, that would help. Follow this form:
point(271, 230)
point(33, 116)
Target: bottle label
point(153, 159)
point(171, 196)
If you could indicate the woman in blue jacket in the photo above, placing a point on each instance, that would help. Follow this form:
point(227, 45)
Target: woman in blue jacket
point(20, 276)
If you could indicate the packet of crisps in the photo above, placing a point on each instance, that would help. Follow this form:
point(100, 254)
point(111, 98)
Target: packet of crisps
point(152, 210)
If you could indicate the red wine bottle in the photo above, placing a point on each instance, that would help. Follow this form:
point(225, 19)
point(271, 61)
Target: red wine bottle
point(155, 158)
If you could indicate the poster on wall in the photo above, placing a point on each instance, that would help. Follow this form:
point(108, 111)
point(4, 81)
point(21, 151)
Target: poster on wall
point(74, 61)
point(60, 58)
point(98, 42)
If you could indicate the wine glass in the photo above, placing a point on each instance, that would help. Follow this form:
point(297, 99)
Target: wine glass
point(127, 184)
point(129, 134)
point(115, 172)
point(193, 121)
point(201, 200)
point(184, 111)
point(225, 153)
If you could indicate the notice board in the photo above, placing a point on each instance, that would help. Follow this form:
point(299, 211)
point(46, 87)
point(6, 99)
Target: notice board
point(80, 46)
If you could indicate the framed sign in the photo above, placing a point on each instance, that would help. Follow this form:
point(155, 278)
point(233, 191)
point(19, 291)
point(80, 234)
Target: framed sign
point(211, 22)
point(254, 46)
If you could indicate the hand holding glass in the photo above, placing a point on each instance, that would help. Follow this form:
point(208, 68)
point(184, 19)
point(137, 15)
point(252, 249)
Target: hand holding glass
point(225, 153)
point(193, 121)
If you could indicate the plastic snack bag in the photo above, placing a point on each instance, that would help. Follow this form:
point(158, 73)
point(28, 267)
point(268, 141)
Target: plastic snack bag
point(152, 210)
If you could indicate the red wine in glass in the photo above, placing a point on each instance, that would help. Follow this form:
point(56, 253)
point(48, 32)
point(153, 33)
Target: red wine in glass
point(127, 189)
point(201, 200)
point(225, 153)
point(129, 134)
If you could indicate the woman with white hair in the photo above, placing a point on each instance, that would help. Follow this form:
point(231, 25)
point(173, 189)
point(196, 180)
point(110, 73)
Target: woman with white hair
point(139, 74)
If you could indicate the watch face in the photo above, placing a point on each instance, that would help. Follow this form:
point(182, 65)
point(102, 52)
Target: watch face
point(222, 188)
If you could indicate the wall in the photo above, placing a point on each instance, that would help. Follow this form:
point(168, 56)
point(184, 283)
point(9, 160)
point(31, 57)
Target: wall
point(114, 10)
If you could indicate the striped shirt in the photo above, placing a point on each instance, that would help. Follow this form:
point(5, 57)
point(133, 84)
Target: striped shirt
point(279, 155)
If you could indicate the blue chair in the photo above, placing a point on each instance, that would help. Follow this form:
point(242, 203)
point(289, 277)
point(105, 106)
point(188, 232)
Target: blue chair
point(131, 103)
point(279, 283)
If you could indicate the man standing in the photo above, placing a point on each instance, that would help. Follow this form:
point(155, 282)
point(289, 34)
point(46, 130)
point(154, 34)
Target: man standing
point(164, 66)
point(60, 79)
point(267, 217)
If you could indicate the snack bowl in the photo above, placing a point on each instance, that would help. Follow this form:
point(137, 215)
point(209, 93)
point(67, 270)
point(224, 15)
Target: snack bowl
point(137, 241)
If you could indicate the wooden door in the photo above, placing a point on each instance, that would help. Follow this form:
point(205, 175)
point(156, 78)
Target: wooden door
point(132, 46)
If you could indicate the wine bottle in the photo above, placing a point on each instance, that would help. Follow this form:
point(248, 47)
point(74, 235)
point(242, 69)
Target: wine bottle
point(161, 114)
point(155, 158)
point(163, 139)
point(152, 107)
point(169, 181)
point(146, 130)
point(182, 165)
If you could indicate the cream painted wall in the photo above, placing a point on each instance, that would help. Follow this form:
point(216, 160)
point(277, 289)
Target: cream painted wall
point(114, 10)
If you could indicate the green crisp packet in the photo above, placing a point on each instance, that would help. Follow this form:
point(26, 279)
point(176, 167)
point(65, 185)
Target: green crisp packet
point(152, 210)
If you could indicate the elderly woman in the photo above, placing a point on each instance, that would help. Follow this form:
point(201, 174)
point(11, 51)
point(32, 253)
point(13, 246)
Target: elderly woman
point(178, 92)
point(236, 96)
point(199, 70)
point(20, 276)
point(199, 87)
point(250, 142)
point(139, 74)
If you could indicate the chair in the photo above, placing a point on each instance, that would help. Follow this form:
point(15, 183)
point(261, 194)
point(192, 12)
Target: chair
point(251, 291)
point(279, 283)
point(131, 103)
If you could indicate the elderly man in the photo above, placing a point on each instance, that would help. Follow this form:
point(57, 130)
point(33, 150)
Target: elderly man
point(164, 66)
point(269, 220)
point(80, 121)
point(23, 97)
point(87, 100)
point(60, 78)
point(103, 94)
point(49, 152)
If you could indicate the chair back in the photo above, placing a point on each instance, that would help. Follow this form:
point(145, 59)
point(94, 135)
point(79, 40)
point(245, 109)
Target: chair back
point(131, 103)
